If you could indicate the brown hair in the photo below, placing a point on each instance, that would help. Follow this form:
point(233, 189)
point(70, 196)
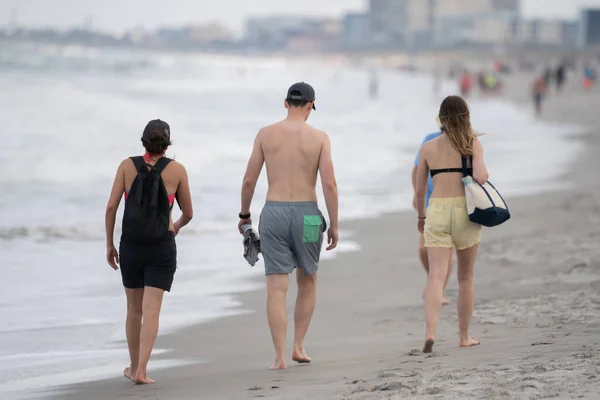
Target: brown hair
point(157, 143)
point(455, 122)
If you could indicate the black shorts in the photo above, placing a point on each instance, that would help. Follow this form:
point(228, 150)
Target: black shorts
point(148, 264)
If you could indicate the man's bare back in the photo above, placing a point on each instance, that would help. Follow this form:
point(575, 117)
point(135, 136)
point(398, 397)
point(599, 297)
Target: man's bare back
point(291, 151)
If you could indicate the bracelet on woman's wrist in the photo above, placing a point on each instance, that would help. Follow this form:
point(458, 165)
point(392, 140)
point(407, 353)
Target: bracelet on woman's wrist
point(421, 217)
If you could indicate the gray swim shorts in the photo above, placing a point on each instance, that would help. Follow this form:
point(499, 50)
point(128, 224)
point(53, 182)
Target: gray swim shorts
point(291, 235)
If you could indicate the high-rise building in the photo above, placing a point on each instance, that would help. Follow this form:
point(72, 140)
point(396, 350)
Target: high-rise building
point(455, 8)
point(418, 23)
point(355, 31)
point(507, 5)
point(465, 7)
point(589, 28)
point(400, 22)
point(387, 21)
point(475, 21)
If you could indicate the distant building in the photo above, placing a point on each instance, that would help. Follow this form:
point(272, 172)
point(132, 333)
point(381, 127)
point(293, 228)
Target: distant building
point(420, 24)
point(570, 33)
point(291, 32)
point(459, 22)
point(415, 24)
point(589, 33)
point(137, 35)
point(172, 35)
point(209, 33)
point(506, 5)
point(355, 31)
point(195, 35)
point(539, 32)
point(496, 28)
point(387, 22)
point(269, 32)
point(401, 23)
point(457, 8)
point(303, 43)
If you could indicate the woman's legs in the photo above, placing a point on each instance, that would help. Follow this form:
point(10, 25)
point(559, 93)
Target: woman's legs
point(445, 301)
point(425, 261)
point(438, 270)
point(466, 294)
point(151, 311)
point(133, 326)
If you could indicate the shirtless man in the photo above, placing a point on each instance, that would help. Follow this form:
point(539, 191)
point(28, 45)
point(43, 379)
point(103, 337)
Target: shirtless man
point(291, 224)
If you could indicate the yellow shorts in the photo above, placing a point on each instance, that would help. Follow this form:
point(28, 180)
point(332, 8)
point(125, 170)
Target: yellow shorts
point(448, 225)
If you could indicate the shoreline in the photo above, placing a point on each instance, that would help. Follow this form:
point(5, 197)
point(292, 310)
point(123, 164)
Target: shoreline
point(342, 273)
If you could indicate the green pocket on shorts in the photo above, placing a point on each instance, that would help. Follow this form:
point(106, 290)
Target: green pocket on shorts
point(312, 228)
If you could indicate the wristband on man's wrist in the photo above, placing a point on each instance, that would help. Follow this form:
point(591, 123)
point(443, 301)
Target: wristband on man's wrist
point(421, 217)
point(244, 216)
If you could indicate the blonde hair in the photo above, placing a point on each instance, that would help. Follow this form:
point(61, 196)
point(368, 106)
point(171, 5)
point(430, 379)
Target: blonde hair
point(455, 121)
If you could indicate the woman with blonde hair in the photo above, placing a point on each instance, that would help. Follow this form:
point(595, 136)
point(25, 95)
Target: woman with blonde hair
point(445, 223)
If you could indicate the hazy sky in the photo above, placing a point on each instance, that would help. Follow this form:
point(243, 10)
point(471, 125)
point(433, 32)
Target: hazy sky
point(118, 15)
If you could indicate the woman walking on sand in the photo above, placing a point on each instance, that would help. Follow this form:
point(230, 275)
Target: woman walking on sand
point(147, 253)
point(446, 224)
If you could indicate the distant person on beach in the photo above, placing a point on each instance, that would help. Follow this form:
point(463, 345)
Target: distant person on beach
point(559, 76)
point(422, 249)
point(465, 83)
point(548, 76)
point(147, 253)
point(539, 88)
point(446, 224)
point(589, 76)
point(374, 86)
point(291, 225)
point(481, 82)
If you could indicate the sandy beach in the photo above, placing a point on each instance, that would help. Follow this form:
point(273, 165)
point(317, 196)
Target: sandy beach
point(537, 311)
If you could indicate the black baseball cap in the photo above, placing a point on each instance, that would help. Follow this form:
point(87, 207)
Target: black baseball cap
point(156, 126)
point(301, 91)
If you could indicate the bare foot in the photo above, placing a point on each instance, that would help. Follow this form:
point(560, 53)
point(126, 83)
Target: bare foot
point(428, 347)
point(469, 343)
point(300, 357)
point(278, 365)
point(129, 374)
point(142, 379)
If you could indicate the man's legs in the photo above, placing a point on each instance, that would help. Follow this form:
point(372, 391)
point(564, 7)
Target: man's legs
point(277, 286)
point(305, 305)
point(425, 261)
point(133, 327)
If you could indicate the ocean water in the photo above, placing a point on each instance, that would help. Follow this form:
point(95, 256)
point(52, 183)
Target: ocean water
point(70, 115)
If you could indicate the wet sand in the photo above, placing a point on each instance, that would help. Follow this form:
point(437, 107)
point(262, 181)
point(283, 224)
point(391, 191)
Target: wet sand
point(537, 311)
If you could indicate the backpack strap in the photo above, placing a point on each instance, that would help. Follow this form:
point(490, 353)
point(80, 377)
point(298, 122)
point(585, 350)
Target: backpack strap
point(142, 172)
point(138, 161)
point(159, 167)
point(161, 164)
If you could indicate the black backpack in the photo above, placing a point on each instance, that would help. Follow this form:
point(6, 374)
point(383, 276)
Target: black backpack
point(147, 208)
